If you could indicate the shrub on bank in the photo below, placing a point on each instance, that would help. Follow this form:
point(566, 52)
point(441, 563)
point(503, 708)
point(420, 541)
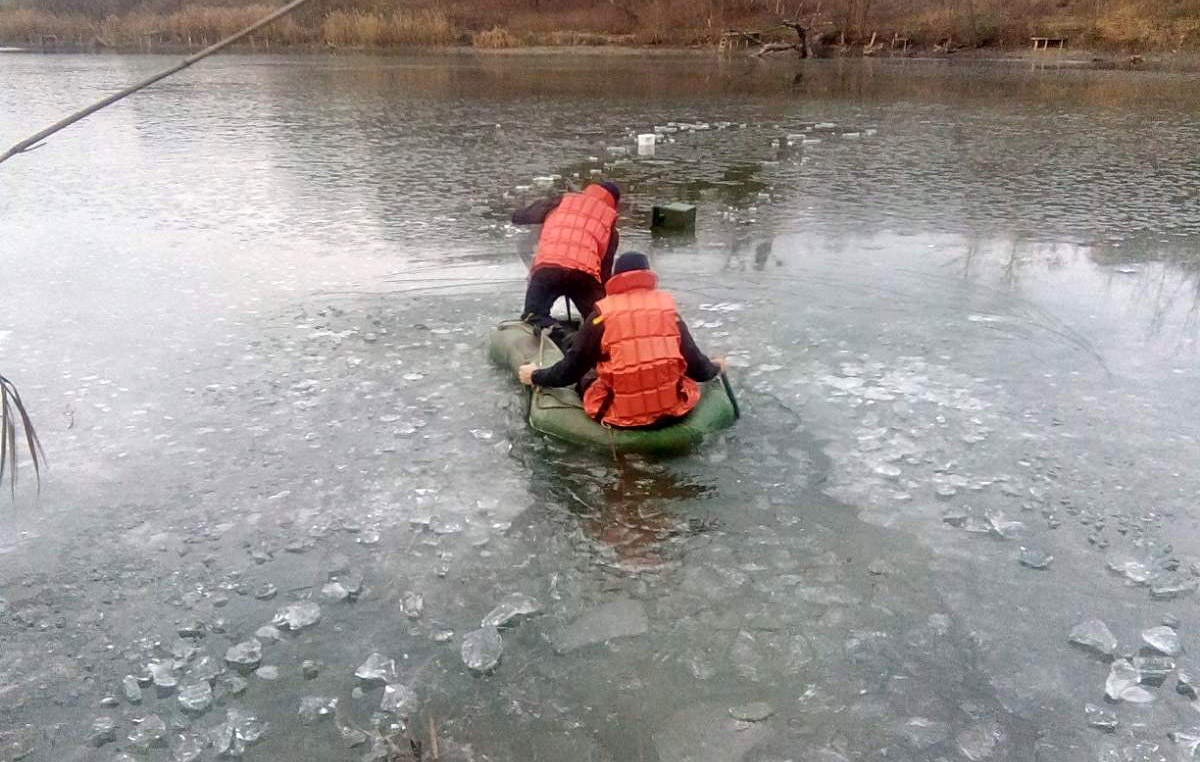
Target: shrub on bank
point(1133, 24)
point(495, 38)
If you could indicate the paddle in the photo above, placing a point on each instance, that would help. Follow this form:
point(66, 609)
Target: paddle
point(737, 411)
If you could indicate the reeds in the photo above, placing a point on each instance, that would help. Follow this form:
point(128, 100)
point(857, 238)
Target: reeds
point(495, 38)
point(200, 25)
point(15, 426)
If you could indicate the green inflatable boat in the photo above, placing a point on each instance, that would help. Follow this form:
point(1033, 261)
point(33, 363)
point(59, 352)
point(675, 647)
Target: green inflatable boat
point(559, 412)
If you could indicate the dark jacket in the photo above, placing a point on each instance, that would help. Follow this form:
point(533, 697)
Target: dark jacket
point(535, 214)
point(586, 350)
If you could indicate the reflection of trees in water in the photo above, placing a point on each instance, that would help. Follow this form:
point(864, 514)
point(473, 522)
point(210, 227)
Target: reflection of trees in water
point(1166, 282)
point(1164, 278)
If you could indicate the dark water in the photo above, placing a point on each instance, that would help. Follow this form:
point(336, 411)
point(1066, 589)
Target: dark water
point(247, 309)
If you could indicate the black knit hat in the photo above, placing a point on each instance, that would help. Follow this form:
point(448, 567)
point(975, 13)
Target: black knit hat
point(631, 260)
point(613, 189)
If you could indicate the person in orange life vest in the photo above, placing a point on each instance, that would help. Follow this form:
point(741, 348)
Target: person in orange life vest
point(634, 359)
point(575, 251)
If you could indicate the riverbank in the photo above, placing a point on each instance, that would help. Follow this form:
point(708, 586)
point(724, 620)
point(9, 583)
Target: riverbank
point(190, 27)
point(1177, 61)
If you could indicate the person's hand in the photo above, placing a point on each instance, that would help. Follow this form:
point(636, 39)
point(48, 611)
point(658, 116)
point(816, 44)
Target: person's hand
point(525, 373)
point(721, 363)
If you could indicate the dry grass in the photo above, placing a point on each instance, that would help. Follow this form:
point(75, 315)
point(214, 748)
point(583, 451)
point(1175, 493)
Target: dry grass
point(199, 25)
point(495, 38)
point(1142, 24)
point(22, 24)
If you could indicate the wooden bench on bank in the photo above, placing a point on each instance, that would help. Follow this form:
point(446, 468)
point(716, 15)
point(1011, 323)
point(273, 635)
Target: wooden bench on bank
point(1045, 43)
point(734, 39)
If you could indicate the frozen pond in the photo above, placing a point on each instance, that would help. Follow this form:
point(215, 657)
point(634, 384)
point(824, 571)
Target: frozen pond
point(248, 308)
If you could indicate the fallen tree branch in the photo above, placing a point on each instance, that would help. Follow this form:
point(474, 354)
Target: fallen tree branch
point(775, 47)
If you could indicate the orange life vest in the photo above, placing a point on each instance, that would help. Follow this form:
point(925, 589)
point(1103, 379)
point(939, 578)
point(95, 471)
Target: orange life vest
point(576, 233)
point(642, 376)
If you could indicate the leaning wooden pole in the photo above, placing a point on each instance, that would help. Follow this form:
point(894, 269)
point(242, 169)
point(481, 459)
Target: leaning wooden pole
point(34, 141)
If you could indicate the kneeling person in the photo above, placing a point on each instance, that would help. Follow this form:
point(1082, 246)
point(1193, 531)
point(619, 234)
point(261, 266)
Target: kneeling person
point(634, 359)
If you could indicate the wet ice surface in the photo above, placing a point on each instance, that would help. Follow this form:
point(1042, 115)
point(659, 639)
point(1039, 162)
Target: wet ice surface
point(951, 373)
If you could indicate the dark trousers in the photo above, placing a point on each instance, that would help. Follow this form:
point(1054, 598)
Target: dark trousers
point(547, 284)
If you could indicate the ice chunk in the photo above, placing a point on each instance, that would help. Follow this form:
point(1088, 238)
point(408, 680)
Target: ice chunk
point(1154, 669)
point(268, 633)
point(1136, 570)
point(205, 668)
point(880, 567)
point(334, 591)
point(1173, 586)
point(621, 618)
point(193, 628)
point(413, 605)
point(398, 699)
point(104, 730)
point(1188, 742)
point(1095, 635)
point(239, 731)
point(923, 733)
point(1185, 684)
point(189, 749)
point(196, 698)
point(744, 654)
point(162, 674)
point(955, 517)
point(980, 741)
point(1163, 639)
point(707, 732)
point(235, 685)
point(1122, 684)
point(183, 650)
point(510, 608)
point(310, 669)
point(1035, 558)
point(133, 691)
point(1101, 719)
point(1003, 527)
point(755, 711)
point(313, 708)
point(245, 656)
point(151, 731)
point(377, 669)
point(449, 526)
point(482, 649)
point(353, 582)
point(225, 742)
point(267, 673)
point(248, 727)
point(298, 615)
